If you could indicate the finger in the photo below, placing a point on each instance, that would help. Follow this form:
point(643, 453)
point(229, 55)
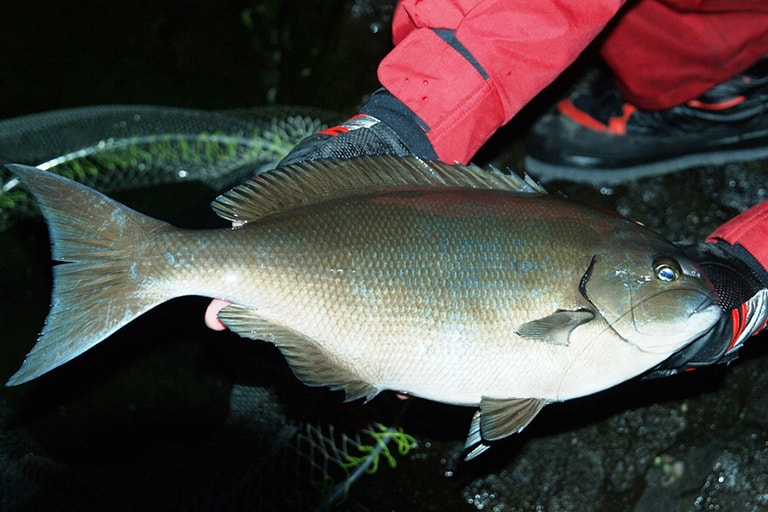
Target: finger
point(212, 314)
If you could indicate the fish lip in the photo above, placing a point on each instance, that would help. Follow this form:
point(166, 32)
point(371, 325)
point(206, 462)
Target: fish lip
point(706, 304)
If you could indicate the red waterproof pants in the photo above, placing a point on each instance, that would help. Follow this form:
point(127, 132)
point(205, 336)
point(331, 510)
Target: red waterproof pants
point(466, 67)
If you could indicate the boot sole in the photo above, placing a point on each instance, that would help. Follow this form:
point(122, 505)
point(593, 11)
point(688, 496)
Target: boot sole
point(546, 172)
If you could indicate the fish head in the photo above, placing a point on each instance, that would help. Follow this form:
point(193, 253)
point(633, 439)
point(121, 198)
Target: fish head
point(651, 294)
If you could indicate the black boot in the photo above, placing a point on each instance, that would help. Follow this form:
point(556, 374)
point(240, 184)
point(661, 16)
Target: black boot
point(595, 136)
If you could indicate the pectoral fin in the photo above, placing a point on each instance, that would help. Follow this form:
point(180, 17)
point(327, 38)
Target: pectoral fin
point(310, 362)
point(555, 328)
point(499, 418)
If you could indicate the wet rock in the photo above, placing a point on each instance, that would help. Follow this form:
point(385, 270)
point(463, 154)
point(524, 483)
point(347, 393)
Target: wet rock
point(686, 453)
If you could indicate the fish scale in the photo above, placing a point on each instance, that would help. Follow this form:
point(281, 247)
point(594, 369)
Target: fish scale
point(445, 282)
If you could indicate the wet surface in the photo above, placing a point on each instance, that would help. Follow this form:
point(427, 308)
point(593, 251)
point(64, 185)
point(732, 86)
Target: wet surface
point(146, 421)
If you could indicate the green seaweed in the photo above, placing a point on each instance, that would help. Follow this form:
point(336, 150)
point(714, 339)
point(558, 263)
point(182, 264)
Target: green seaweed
point(337, 460)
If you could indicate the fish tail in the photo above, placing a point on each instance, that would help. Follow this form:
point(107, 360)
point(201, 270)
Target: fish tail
point(96, 290)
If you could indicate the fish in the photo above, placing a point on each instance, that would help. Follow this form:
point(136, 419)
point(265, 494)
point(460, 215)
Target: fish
point(451, 283)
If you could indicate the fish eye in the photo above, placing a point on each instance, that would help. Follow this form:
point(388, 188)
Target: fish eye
point(666, 269)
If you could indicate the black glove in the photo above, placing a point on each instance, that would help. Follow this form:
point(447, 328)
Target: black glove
point(385, 126)
point(742, 286)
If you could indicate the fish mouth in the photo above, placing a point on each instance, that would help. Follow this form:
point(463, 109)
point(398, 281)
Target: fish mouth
point(705, 305)
point(708, 309)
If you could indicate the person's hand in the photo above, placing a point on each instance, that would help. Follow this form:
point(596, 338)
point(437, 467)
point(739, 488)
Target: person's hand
point(212, 314)
point(384, 126)
point(734, 259)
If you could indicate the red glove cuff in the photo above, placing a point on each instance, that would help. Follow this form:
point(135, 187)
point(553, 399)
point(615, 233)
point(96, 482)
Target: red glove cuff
point(750, 230)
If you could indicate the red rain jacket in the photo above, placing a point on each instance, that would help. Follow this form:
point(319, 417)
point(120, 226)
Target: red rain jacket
point(466, 67)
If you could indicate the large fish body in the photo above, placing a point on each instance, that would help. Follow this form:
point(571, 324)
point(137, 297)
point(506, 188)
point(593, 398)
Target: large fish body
point(448, 283)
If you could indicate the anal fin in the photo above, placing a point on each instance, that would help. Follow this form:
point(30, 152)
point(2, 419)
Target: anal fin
point(310, 362)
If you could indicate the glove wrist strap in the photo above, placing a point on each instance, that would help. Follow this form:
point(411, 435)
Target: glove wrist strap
point(748, 230)
point(748, 319)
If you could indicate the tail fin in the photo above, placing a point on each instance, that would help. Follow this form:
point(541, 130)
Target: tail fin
point(96, 289)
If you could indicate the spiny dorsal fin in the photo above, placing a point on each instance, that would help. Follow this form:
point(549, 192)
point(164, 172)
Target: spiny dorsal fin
point(312, 364)
point(313, 182)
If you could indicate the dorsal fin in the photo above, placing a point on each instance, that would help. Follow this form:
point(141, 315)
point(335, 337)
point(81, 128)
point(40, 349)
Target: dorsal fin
point(313, 182)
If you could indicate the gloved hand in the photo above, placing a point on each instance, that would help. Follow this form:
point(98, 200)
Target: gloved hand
point(734, 259)
point(385, 126)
